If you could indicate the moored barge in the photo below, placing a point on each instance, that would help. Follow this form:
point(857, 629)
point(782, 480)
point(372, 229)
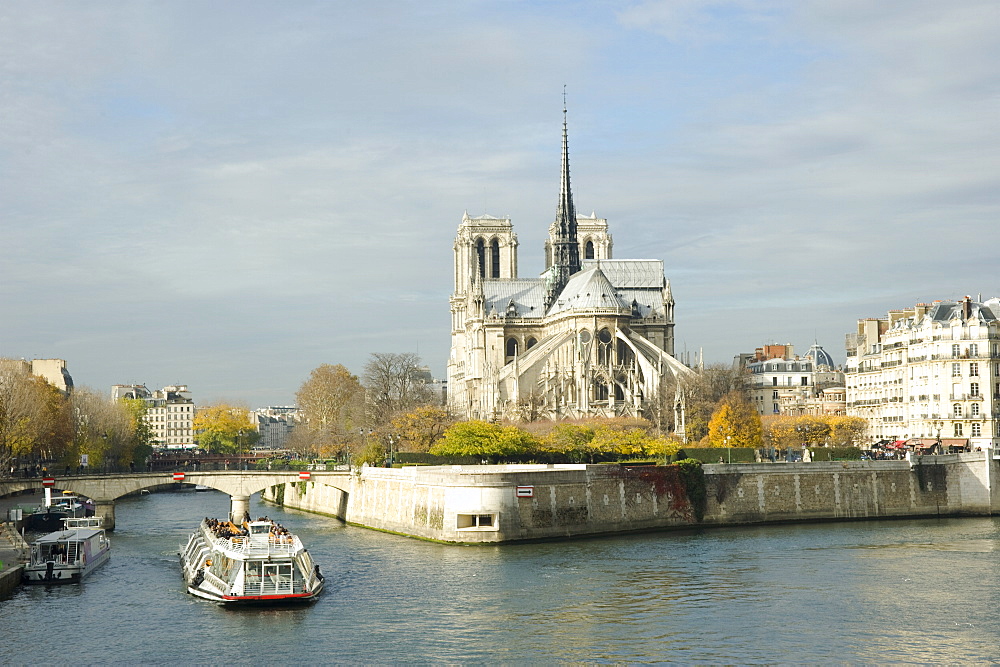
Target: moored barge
point(67, 556)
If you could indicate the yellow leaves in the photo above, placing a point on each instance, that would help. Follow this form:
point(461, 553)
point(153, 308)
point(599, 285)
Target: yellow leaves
point(420, 428)
point(735, 424)
point(813, 430)
point(224, 428)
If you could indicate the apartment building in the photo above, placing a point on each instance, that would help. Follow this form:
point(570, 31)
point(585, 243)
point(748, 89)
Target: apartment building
point(781, 382)
point(928, 374)
point(169, 413)
point(52, 371)
point(274, 424)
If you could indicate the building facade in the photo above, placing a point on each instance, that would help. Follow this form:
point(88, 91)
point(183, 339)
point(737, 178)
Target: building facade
point(169, 412)
point(929, 373)
point(591, 336)
point(52, 371)
point(781, 382)
point(275, 424)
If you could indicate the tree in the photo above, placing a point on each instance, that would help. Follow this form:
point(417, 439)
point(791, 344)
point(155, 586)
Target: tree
point(479, 438)
point(142, 434)
point(704, 393)
point(813, 430)
point(418, 429)
point(393, 384)
point(847, 431)
point(570, 440)
point(324, 397)
point(332, 403)
point(34, 419)
point(224, 429)
point(735, 423)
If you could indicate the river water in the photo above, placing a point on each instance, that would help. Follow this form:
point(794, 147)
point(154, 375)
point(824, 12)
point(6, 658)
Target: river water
point(884, 591)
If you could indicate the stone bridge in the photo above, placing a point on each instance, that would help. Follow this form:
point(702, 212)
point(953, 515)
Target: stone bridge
point(239, 484)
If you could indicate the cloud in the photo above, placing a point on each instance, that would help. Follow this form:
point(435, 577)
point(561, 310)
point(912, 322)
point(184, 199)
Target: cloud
point(230, 195)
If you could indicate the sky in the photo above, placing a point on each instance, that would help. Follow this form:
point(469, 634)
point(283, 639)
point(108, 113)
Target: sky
point(229, 194)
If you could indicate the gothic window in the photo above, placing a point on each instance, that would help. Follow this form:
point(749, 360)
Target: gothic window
point(481, 257)
point(511, 348)
point(530, 343)
point(588, 252)
point(495, 259)
point(604, 347)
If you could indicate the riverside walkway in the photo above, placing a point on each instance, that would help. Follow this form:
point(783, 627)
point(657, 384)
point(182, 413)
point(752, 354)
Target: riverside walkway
point(104, 489)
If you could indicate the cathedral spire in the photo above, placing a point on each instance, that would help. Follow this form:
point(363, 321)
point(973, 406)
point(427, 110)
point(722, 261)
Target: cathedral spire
point(565, 247)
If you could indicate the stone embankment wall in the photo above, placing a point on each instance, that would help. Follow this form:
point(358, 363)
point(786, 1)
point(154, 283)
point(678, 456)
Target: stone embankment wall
point(13, 550)
point(933, 485)
point(490, 504)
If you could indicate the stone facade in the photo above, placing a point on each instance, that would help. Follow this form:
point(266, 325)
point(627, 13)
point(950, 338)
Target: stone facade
point(781, 382)
point(52, 371)
point(496, 504)
point(930, 373)
point(592, 336)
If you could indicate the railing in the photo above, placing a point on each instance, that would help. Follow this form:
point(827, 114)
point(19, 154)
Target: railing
point(258, 547)
point(272, 586)
point(216, 581)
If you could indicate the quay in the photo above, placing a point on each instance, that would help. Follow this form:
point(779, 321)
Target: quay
point(13, 555)
point(497, 504)
point(511, 503)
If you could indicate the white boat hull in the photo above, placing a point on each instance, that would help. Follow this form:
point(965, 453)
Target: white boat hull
point(68, 556)
point(260, 568)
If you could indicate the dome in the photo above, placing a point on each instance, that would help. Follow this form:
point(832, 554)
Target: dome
point(820, 356)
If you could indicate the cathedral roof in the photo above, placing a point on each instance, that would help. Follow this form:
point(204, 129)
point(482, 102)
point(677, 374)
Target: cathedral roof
point(589, 289)
point(527, 297)
point(642, 273)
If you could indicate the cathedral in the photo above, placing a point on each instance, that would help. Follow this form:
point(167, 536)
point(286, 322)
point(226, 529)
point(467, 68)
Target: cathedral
point(592, 336)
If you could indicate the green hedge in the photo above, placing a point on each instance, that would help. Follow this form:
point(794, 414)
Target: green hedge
point(835, 453)
point(421, 458)
point(712, 454)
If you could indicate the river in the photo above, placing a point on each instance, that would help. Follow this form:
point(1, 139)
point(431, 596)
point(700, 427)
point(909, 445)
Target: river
point(880, 591)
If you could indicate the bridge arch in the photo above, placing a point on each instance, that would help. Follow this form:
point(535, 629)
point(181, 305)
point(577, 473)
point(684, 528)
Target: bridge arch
point(238, 484)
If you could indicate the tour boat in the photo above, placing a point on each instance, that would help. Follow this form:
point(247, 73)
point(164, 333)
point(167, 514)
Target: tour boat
point(257, 562)
point(68, 555)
